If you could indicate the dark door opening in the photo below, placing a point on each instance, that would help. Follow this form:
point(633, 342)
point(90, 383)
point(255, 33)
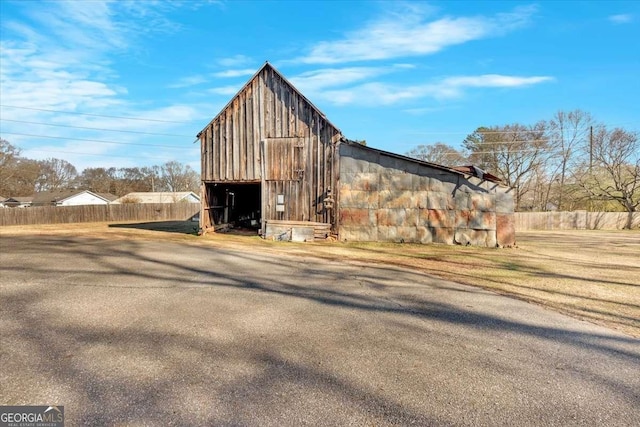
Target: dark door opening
point(236, 205)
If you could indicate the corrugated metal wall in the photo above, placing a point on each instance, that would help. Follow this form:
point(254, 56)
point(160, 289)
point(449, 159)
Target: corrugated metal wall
point(267, 110)
point(384, 198)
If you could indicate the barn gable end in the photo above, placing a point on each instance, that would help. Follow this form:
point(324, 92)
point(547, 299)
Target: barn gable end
point(268, 140)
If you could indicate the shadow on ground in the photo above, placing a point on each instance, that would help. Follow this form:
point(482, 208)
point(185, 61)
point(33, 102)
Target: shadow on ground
point(181, 227)
point(202, 336)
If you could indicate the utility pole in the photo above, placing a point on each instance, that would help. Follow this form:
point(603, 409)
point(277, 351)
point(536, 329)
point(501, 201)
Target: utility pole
point(590, 164)
point(590, 148)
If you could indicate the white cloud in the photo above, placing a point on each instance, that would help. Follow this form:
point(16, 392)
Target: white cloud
point(313, 81)
point(376, 93)
point(51, 78)
point(404, 66)
point(235, 61)
point(58, 57)
point(623, 18)
point(225, 90)
point(199, 79)
point(188, 82)
point(234, 73)
point(80, 24)
point(409, 34)
point(490, 80)
point(74, 152)
point(425, 110)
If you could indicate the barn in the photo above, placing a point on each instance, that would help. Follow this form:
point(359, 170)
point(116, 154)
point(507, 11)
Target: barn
point(272, 160)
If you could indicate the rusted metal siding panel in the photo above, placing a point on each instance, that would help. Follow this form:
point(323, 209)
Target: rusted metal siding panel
point(414, 203)
point(441, 218)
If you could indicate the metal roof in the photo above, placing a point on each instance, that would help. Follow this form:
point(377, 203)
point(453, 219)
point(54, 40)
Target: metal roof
point(459, 170)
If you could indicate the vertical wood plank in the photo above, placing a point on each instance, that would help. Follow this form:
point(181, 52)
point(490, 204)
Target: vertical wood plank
point(267, 106)
point(261, 102)
point(235, 150)
point(204, 155)
point(242, 143)
point(277, 107)
point(217, 150)
point(249, 134)
point(228, 143)
point(210, 158)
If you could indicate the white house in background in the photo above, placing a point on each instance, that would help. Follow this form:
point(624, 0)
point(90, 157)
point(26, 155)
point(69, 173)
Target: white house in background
point(17, 202)
point(71, 198)
point(159, 197)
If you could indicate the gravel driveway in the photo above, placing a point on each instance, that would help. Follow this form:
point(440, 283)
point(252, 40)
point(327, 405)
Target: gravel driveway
point(137, 332)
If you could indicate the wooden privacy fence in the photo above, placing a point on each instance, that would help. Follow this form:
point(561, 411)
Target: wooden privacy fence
point(576, 220)
point(98, 213)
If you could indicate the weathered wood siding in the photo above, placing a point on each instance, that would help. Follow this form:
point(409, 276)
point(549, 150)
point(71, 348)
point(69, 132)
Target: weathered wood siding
point(267, 110)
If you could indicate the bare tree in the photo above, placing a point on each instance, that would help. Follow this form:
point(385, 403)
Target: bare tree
point(100, 180)
point(152, 176)
point(56, 174)
point(121, 181)
point(439, 153)
point(174, 176)
point(568, 133)
point(615, 172)
point(18, 175)
point(513, 152)
point(9, 155)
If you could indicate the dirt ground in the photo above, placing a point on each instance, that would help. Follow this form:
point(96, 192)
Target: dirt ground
point(590, 274)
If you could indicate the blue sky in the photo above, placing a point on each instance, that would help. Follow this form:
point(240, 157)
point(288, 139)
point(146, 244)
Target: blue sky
point(147, 76)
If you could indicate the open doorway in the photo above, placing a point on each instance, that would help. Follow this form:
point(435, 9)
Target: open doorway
point(236, 205)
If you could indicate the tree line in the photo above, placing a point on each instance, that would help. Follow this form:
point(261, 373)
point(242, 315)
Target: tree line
point(569, 162)
point(21, 176)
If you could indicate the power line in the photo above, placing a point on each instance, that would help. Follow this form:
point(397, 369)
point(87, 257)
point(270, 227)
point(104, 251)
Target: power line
point(38, 150)
point(182, 147)
point(495, 152)
point(191, 121)
point(569, 130)
point(101, 129)
point(497, 143)
point(510, 142)
point(94, 115)
point(470, 133)
point(96, 140)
